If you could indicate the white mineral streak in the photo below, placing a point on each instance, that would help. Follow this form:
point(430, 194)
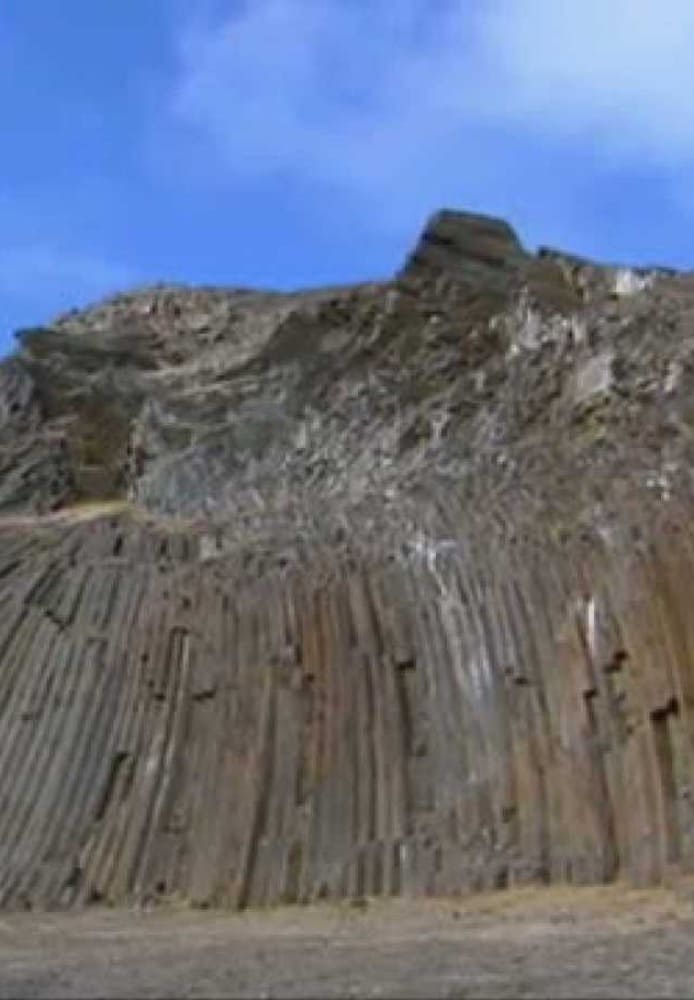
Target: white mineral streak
point(628, 282)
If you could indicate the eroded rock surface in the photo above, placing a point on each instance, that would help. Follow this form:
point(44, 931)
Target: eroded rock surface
point(370, 590)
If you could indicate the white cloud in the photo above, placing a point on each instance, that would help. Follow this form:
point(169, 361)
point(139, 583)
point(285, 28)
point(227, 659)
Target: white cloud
point(393, 97)
point(619, 70)
point(335, 90)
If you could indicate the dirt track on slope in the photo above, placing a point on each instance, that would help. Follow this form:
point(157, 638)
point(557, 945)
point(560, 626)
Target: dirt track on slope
point(555, 943)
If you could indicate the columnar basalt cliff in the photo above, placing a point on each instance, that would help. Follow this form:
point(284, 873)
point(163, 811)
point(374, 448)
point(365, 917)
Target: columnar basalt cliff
point(369, 590)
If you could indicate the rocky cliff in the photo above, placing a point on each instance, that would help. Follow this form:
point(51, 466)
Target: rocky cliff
point(369, 590)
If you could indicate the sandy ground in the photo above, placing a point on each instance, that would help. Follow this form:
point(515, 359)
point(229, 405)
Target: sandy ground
point(536, 943)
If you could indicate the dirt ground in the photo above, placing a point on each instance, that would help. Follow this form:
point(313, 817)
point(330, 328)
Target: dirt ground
point(608, 942)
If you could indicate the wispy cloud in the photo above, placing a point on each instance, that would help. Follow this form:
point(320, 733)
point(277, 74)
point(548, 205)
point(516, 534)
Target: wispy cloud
point(618, 70)
point(390, 97)
point(333, 90)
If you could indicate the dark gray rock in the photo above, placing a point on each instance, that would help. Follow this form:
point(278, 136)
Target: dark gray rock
point(466, 244)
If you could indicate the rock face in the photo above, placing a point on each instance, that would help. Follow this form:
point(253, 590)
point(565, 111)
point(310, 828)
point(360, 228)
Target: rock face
point(368, 590)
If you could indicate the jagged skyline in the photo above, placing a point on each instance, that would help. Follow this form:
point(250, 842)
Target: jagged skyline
point(285, 143)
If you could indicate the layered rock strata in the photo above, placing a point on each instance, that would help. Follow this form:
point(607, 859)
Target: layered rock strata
point(369, 590)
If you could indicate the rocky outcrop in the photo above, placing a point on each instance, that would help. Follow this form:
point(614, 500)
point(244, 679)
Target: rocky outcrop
point(369, 590)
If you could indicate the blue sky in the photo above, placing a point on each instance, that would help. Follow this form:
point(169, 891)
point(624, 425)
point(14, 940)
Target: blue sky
point(288, 143)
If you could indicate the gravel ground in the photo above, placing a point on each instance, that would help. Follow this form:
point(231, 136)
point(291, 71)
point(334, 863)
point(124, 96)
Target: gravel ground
point(552, 943)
